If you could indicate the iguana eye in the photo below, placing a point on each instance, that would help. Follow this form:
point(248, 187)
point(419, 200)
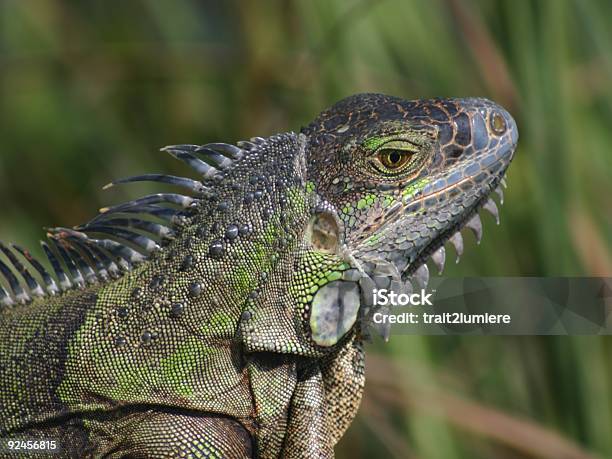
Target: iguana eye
point(394, 159)
point(398, 156)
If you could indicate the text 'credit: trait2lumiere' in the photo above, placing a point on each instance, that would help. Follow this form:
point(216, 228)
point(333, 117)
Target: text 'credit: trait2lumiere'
point(385, 297)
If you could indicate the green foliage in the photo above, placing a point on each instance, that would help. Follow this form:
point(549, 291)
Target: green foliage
point(89, 92)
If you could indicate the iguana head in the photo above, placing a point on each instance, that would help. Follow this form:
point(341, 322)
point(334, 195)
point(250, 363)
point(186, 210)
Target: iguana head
point(404, 177)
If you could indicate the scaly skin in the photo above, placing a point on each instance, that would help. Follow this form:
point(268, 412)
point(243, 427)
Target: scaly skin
point(240, 333)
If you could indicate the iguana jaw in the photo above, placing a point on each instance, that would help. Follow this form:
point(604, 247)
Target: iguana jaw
point(469, 218)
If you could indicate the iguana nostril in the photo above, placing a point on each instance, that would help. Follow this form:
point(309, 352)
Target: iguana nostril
point(498, 123)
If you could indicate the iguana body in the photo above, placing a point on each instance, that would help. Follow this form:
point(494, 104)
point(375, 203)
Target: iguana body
point(226, 324)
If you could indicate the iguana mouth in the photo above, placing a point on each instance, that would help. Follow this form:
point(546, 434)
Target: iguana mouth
point(418, 271)
point(435, 249)
point(416, 275)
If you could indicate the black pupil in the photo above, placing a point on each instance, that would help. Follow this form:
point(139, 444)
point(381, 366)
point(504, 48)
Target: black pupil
point(394, 157)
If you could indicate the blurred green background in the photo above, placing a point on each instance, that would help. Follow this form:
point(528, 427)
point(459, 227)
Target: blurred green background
point(90, 90)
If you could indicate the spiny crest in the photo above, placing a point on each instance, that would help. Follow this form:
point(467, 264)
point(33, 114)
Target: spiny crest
point(120, 237)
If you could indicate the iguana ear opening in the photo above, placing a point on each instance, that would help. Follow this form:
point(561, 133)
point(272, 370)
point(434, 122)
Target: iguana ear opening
point(323, 232)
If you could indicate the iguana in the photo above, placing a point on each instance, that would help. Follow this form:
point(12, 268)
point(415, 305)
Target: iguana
point(229, 321)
